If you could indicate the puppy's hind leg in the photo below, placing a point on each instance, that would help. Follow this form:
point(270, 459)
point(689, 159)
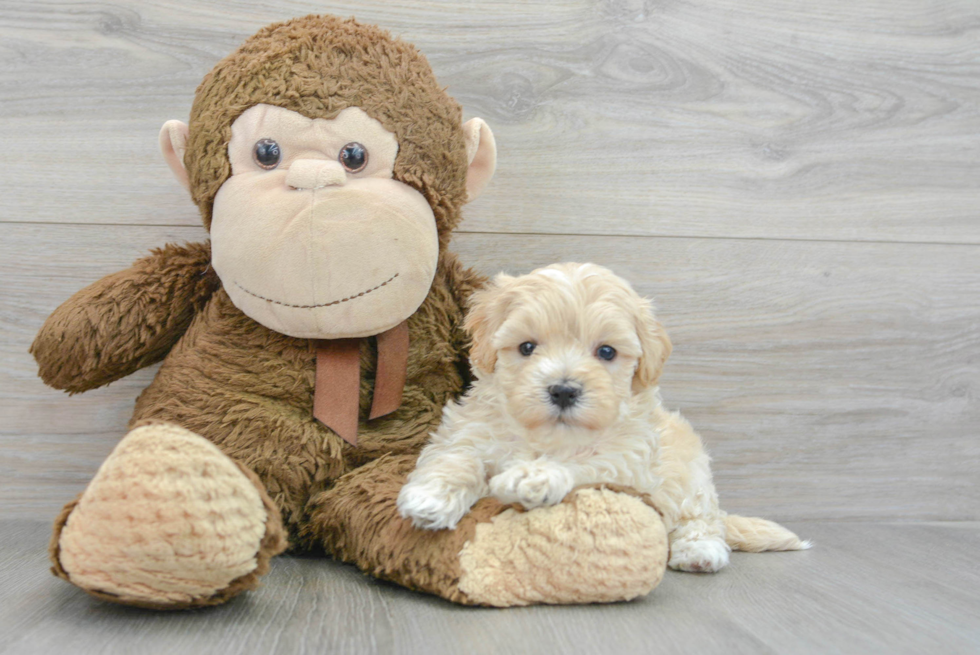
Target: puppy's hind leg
point(698, 546)
point(687, 499)
point(697, 541)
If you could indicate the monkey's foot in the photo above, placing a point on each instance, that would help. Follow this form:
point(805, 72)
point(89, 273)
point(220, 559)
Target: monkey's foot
point(596, 546)
point(168, 522)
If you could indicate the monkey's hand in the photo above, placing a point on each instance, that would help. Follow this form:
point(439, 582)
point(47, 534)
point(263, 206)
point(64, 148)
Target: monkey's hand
point(126, 320)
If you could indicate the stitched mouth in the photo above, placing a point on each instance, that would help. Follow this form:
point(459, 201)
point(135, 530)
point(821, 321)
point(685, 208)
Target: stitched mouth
point(325, 304)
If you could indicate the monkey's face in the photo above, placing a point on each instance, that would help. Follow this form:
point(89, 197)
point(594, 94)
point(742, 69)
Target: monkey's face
point(311, 236)
point(317, 194)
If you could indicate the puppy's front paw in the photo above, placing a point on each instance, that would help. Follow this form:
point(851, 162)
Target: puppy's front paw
point(434, 505)
point(532, 484)
point(698, 555)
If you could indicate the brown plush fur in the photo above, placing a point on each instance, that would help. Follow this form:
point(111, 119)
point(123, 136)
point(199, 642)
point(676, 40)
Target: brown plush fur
point(273, 543)
point(317, 66)
point(125, 321)
point(357, 520)
point(248, 389)
point(227, 378)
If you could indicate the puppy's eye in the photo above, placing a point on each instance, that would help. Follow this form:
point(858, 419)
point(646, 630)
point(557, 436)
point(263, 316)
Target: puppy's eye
point(607, 353)
point(353, 157)
point(267, 154)
point(527, 348)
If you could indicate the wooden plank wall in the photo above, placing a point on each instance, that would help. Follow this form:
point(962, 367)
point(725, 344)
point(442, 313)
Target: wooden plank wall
point(795, 183)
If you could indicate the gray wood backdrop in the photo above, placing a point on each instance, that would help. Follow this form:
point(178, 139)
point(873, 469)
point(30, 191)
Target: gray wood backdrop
point(797, 184)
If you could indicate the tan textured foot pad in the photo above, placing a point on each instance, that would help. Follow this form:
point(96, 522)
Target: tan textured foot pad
point(597, 546)
point(169, 521)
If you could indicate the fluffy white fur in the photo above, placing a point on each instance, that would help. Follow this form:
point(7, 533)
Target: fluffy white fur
point(511, 439)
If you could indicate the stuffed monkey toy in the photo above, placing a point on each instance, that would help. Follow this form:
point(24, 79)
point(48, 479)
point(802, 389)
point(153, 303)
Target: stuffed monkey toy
point(308, 350)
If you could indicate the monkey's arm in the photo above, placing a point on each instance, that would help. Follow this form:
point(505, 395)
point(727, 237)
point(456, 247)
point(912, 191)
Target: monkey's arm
point(126, 320)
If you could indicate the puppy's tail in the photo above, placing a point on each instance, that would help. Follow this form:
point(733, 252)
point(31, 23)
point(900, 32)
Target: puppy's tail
point(754, 535)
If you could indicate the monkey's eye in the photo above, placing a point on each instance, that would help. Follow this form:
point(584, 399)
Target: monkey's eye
point(353, 157)
point(607, 353)
point(267, 154)
point(527, 348)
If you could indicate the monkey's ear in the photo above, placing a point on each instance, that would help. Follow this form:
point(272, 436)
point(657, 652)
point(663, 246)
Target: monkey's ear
point(481, 155)
point(173, 144)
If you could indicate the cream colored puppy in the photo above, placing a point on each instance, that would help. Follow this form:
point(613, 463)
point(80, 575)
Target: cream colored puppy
point(567, 360)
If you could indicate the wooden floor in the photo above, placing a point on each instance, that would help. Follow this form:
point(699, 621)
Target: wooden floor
point(797, 184)
point(865, 588)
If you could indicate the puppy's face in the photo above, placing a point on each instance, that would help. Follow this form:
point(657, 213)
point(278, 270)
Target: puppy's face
point(567, 345)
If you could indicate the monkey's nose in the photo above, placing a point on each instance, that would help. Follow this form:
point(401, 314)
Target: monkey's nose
point(315, 174)
point(563, 395)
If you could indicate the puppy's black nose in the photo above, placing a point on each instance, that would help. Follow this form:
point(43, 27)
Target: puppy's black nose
point(563, 395)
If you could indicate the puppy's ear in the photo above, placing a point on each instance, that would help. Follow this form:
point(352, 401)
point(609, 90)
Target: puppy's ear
point(656, 348)
point(488, 309)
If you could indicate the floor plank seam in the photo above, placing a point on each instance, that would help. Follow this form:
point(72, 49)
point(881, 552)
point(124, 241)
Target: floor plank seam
point(968, 244)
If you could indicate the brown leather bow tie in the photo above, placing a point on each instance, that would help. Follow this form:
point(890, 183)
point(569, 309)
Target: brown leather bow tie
point(338, 380)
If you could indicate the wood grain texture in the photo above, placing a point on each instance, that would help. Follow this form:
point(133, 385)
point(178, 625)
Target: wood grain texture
point(795, 183)
point(771, 119)
point(828, 379)
point(866, 588)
